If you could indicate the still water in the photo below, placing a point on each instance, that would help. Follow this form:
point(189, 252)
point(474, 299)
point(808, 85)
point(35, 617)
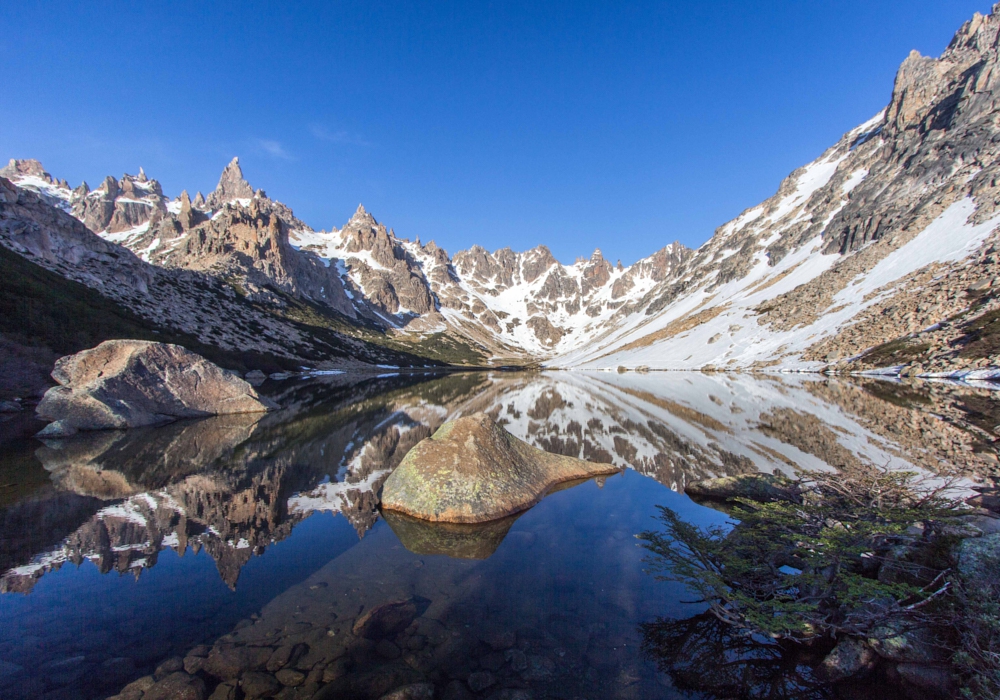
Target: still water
point(237, 543)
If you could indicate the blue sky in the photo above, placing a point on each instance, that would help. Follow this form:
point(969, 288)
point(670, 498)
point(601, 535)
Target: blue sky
point(619, 125)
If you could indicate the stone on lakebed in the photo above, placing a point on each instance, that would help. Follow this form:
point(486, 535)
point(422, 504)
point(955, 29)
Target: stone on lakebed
point(130, 383)
point(473, 471)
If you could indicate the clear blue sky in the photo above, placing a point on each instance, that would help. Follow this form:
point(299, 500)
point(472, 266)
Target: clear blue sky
point(619, 125)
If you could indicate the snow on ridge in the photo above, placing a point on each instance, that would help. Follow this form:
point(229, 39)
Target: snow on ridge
point(122, 236)
point(733, 337)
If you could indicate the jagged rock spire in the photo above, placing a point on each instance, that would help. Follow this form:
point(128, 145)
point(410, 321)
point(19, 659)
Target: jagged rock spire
point(361, 215)
point(231, 186)
point(142, 175)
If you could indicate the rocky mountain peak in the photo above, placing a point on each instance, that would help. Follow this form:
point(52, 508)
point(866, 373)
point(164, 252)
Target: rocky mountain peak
point(142, 175)
point(232, 185)
point(362, 217)
point(23, 168)
point(536, 261)
point(110, 187)
point(199, 201)
point(929, 92)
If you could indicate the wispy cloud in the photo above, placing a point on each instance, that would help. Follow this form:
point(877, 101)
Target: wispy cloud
point(273, 148)
point(339, 136)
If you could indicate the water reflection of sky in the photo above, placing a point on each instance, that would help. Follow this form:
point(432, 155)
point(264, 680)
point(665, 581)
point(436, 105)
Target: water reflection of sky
point(206, 522)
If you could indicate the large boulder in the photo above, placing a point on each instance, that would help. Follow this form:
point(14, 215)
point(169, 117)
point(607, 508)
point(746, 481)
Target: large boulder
point(129, 383)
point(472, 471)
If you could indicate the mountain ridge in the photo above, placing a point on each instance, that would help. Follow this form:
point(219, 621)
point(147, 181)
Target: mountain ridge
point(888, 234)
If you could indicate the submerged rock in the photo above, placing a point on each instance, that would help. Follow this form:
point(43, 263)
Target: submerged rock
point(472, 471)
point(413, 691)
point(130, 383)
point(177, 686)
point(386, 620)
point(851, 658)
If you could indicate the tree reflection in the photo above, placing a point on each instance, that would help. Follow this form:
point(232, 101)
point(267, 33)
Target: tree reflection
point(703, 653)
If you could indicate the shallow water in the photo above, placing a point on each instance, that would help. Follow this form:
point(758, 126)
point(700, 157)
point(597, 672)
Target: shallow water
point(120, 550)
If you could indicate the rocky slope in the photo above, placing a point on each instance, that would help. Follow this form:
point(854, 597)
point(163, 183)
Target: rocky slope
point(889, 233)
point(887, 238)
point(504, 306)
point(52, 262)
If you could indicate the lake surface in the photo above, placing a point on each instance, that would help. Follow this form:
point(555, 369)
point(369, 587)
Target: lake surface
point(122, 550)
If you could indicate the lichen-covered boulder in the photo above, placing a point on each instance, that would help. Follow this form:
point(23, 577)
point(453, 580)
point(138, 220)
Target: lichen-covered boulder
point(472, 471)
point(130, 383)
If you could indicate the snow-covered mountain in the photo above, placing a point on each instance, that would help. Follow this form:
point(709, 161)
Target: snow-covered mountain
point(513, 306)
point(884, 246)
point(880, 252)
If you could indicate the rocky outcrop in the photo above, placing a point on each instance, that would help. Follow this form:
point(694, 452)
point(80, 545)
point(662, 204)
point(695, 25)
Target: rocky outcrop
point(244, 317)
point(131, 383)
point(472, 471)
point(232, 185)
point(851, 658)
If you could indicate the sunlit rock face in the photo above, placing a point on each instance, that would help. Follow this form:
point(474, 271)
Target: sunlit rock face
point(473, 471)
point(132, 383)
point(240, 306)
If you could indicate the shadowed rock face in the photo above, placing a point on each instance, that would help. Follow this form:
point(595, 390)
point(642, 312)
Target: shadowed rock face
point(472, 471)
point(130, 383)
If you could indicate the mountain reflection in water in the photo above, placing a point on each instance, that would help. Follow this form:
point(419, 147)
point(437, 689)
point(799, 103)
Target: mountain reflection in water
point(236, 486)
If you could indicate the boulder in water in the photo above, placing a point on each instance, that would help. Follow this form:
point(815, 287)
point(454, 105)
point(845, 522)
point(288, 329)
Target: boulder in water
point(130, 383)
point(472, 471)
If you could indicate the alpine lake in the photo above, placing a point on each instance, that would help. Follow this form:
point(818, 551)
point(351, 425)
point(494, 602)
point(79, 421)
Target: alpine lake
point(257, 542)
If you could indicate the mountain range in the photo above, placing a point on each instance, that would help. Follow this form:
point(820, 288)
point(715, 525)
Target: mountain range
point(880, 255)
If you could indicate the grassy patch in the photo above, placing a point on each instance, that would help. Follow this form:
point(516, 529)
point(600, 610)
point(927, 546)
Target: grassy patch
point(444, 347)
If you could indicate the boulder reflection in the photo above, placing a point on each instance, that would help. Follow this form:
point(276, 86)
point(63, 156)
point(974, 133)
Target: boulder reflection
point(456, 540)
